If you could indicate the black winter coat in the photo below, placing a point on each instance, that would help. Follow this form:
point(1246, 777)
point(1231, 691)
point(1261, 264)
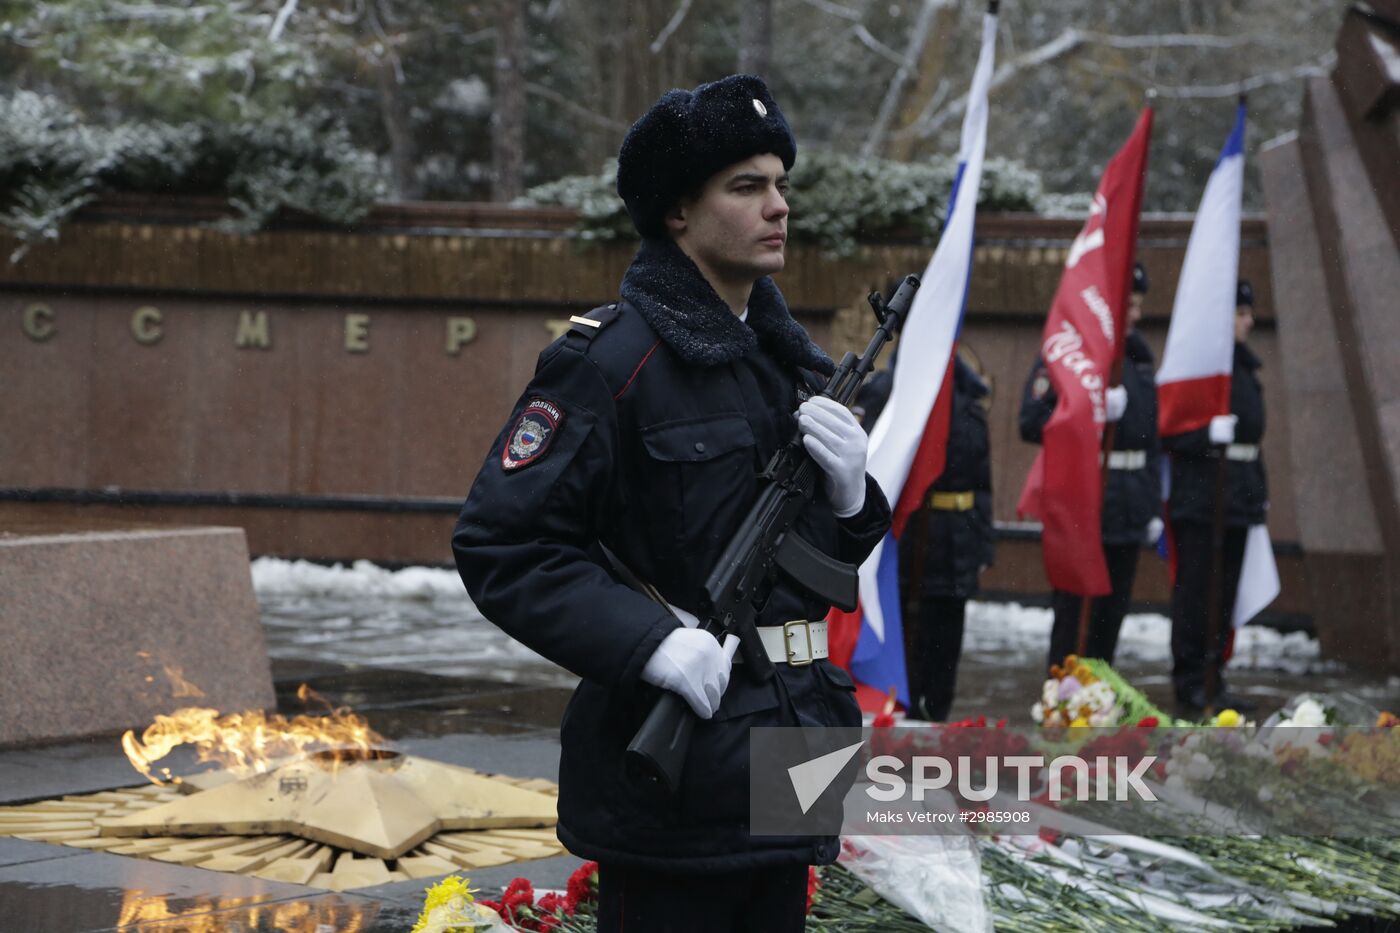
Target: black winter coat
point(647, 435)
point(952, 546)
point(1132, 498)
point(1194, 465)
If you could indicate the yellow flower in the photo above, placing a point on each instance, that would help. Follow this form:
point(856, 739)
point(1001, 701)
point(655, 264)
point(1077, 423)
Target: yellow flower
point(1079, 722)
point(1227, 717)
point(447, 904)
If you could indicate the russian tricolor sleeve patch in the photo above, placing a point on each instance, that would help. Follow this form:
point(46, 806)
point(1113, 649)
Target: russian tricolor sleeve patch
point(532, 434)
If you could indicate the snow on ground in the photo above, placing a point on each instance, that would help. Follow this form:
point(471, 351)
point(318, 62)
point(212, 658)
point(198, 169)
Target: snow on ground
point(276, 577)
point(446, 624)
point(1002, 628)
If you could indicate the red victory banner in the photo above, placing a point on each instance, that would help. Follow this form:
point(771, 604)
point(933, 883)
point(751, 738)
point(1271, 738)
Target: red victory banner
point(1082, 341)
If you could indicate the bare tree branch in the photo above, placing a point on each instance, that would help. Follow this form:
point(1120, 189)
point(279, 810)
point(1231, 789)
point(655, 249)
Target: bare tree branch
point(1317, 68)
point(280, 22)
point(1170, 40)
point(677, 18)
point(583, 113)
point(918, 36)
point(876, 46)
point(835, 9)
point(933, 118)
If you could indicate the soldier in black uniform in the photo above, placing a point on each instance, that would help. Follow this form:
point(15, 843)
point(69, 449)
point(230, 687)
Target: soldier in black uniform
point(638, 445)
point(1195, 458)
point(946, 545)
point(1132, 502)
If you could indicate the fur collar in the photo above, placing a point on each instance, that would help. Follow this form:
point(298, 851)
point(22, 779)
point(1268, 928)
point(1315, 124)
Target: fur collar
point(673, 296)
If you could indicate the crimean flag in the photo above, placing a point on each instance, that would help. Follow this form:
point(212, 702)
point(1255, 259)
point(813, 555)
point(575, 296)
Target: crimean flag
point(1193, 385)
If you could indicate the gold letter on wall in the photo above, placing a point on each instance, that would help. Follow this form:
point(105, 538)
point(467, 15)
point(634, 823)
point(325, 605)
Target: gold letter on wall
point(460, 331)
point(38, 322)
point(145, 325)
point(357, 333)
point(253, 331)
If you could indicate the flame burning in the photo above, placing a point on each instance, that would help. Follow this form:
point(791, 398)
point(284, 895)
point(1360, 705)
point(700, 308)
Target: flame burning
point(251, 742)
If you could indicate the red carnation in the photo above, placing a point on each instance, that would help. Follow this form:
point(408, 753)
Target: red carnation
point(814, 882)
point(519, 891)
point(1148, 722)
point(583, 885)
point(549, 909)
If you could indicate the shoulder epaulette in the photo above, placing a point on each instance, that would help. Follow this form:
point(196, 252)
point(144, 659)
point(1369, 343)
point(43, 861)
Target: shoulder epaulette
point(588, 325)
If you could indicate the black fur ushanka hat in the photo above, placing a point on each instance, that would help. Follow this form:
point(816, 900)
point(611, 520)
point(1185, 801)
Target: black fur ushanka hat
point(687, 136)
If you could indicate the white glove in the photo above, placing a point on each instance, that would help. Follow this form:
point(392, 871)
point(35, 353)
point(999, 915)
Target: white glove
point(1222, 429)
point(1115, 402)
point(835, 439)
point(1154, 530)
point(691, 663)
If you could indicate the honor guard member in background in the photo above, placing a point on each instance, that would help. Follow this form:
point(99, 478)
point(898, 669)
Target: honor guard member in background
point(1132, 501)
point(1194, 468)
point(635, 452)
point(948, 542)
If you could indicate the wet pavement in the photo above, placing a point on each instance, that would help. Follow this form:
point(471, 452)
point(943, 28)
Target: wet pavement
point(1002, 667)
point(439, 681)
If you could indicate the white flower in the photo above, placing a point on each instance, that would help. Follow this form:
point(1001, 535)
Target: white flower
point(1308, 713)
point(1266, 794)
point(1097, 696)
point(1257, 750)
point(1192, 740)
point(1200, 768)
point(1050, 692)
point(1174, 782)
point(1106, 717)
point(1038, 712)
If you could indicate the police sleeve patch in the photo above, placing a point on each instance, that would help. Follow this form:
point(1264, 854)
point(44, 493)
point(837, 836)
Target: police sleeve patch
point(532, 434)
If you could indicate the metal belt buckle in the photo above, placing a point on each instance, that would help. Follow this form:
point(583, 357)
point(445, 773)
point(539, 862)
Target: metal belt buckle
point(788, 633)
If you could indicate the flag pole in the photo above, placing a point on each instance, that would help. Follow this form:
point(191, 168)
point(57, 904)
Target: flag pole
point(1217, 582)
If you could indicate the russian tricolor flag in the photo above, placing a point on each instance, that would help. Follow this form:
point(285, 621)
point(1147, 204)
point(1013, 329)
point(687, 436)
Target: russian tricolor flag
point(1193, 384)
point(908, 444)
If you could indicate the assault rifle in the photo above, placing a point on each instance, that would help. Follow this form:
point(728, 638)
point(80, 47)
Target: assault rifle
point(743, 578)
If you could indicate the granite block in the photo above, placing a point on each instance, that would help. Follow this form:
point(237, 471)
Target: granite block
point(105, 629)
point(1334, 508)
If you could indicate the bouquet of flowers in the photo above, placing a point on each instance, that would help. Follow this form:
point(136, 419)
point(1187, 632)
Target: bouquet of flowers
point(451, 907)
point(1076, 696)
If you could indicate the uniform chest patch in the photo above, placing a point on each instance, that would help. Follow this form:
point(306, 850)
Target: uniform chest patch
point(532, 434)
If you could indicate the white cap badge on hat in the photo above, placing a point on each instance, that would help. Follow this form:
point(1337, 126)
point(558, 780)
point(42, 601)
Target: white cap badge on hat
point(758, 105)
